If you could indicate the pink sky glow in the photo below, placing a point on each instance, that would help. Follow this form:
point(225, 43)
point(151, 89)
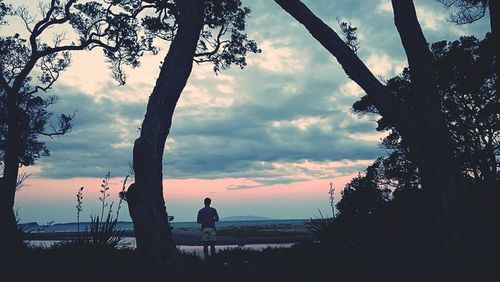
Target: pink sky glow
point(40, 198)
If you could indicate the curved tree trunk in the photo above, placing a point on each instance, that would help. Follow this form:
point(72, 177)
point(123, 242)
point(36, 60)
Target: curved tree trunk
point(441, 177)
point(9, 238)
point(145, 197)
point(494, 6)
point(423, 128)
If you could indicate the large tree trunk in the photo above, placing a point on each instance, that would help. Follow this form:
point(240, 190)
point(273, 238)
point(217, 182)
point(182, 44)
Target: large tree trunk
point(9, 237)
point(494, 6)
point(145, 198)
point(422, 127)
point(441, 177)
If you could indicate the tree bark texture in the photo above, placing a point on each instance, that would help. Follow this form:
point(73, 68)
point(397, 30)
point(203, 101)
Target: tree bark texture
point(145, 197)
point(422, 127)
point(494, 6)
point(9, 237)
point(441, 178)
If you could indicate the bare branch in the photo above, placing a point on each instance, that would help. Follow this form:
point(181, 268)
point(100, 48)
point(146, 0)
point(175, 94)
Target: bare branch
point(217, 44)
point(85, 44)
point(43, 7)
point(388, 106)
point(27, 19)
point(21, 178)
point(63, 126)
point(46, 22)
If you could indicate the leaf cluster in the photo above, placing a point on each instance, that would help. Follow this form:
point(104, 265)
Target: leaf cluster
point(223, 41)
point(466, 82)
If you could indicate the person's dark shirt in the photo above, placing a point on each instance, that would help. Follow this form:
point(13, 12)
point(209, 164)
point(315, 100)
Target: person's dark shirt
point(207, 217)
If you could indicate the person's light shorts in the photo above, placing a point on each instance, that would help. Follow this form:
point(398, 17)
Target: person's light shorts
point(207, 234)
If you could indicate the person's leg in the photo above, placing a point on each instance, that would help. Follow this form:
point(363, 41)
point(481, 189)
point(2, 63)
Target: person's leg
point(212, 248)
point(205, 249)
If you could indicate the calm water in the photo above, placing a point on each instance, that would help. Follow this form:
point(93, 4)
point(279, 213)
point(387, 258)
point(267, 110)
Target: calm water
point(197, 250)
point(69, 227)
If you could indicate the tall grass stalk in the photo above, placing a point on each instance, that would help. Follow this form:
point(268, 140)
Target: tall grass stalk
point(104, 192)
point(331, 193)
point(79, 204)
point(104, 231)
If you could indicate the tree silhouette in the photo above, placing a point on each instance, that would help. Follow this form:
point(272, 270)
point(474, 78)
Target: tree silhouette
point(469, 11)
point(360, 209)
point(362, 196)
point(466, 81)
point(421, 123)
point(199, 31)
point(30, 66)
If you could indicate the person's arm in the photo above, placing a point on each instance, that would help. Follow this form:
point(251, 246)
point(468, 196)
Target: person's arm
point(198, 219)
point(216, 216)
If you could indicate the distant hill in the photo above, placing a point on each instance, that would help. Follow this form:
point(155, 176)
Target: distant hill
point(244, 218)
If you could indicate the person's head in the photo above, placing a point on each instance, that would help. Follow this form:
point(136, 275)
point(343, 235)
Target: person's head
point(207, 201)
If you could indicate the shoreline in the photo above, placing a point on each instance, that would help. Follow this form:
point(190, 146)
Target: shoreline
point(276, 234)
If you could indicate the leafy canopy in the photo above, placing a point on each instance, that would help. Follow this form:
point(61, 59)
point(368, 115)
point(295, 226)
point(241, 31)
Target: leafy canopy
point(124, 29)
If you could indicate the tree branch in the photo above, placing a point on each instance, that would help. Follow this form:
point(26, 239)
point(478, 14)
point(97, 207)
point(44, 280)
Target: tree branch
point(388, 106)
point(46, 22)
point(217, 44)
point(5, 85)
point(423, 81)
point(63, 127)
point(27, 20)
point(47, 16)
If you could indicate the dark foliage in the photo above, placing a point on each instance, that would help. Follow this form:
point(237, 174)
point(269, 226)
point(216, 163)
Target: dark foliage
point(223, 41)
point(34, 118)
point(466, 82)
point(302, 262)
point(94, 24)
point(387, 202)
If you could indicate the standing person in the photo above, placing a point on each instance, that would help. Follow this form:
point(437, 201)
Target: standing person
point(207, 217)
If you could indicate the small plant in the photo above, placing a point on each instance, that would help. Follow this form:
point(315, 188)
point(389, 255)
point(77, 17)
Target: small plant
point(331, 193)
point(79, 204)
point(104, 192)
point(321, 227)
point(104, 231)
point(350, 34)
point(20, 234)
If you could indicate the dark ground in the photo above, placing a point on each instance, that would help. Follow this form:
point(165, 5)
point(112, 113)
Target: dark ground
point(304, 262)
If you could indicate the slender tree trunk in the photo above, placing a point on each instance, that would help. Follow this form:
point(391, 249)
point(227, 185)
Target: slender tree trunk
point(9, 238)
point(494, 6)
point(422, 127)
point(145, 198)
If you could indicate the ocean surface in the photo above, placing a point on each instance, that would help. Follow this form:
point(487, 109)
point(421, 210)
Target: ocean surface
point(196, 250)
point(73, 226)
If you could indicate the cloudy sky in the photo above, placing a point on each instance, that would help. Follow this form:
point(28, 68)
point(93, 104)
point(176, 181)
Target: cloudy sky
point(264, 141)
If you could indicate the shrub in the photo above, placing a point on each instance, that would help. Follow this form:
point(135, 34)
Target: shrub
point(104, 231)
